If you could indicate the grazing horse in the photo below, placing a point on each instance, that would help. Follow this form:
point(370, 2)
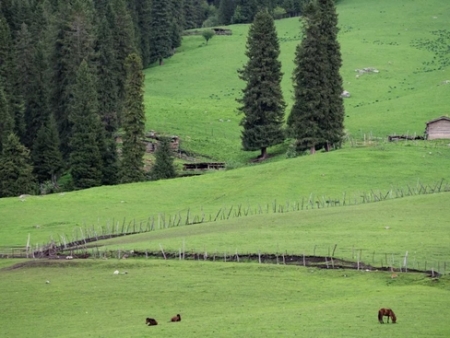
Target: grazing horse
point(176, 318)
point(151, 321)
point(386, 313)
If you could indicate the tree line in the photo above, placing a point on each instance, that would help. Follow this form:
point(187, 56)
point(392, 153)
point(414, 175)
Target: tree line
point(71, 77)
point(316, 119)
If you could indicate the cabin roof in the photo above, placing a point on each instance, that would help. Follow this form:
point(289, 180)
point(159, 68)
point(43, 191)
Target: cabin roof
point(439, 119)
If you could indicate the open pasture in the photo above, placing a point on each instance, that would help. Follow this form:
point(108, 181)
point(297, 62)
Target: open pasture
point(193, 94)
point(378, 234)
point(348, 173)
point(85, 299)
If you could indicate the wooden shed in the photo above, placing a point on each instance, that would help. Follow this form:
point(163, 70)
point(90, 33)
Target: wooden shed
point(438, 128)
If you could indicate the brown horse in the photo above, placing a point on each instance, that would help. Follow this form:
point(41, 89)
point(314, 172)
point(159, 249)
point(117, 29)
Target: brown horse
point(176, 318)
point(151, 321)
point(386, 313)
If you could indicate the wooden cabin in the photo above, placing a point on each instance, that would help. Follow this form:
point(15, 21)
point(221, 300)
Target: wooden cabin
point(438, 128)
point(204, 166)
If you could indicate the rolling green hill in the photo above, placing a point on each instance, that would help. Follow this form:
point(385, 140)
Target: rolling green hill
point(193, 96)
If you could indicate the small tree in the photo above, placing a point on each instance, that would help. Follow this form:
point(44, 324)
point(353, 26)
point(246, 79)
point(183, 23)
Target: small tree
point(163, 167)
point(208, 34)
point(16, 175)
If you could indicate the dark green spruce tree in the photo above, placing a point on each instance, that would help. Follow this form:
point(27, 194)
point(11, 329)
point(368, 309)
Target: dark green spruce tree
point(6, 120)
point(122, 28)
point(226, 11)
point(333, 123)
point(163, 167)
point(133, 148)
point(108, 101)
point(309, 78)
point(47, 160)
point(85, 158)
point(74, 42)
point(16, 171)
point(161, 32)
point(189, 14)
point(316, 118)
point(262, 103)
point(9, 78)
point(177, 24)
point(142, 20)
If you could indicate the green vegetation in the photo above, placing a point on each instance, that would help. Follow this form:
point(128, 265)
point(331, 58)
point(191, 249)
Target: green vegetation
point(133, 150)
point(262, 102)
point(85, 299)
point(194, 97)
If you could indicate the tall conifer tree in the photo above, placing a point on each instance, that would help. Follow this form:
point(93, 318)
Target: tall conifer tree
point(108, 99)
point(6, 121)
point(133, 149)
point(75, 37)
point(123, 42)
point(47, 160)
point(161, 32)
point(226, 11)
point(85, 158)
point(333, 123)
point(262, 101)
point(316, 118)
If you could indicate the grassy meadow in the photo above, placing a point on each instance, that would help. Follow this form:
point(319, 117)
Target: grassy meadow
point(85, 299)
point(194, 96)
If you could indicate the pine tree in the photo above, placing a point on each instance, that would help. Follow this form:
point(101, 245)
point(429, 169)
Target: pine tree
point(6, 121)
point(16, 175)
point(177, 23)
point(85, 158)
point(163, 167)
point(108, 101)
point(333, 124)
point(47, 159)
point(245, 11)
point(262, 101)
point(161, 32)
point(74, 42)
point(31, 67)
point(316, 119)
point(133, 149)
point(143, 22)
point(190, 14)
point(9, 77)
point(123, 45)
point(226, 11)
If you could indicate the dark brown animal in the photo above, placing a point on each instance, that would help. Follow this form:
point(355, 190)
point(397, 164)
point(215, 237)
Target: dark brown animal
point(176, 318)
point(383, 312)
point(151, 321)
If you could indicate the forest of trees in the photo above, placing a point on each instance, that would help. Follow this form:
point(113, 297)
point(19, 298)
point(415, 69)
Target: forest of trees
point(71, 79)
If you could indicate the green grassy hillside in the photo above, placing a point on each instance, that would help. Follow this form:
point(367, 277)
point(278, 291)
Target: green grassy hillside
point(193, 94)
point(348, 173)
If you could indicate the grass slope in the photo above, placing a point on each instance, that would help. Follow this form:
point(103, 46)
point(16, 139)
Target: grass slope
point(382, 231)
point(85, 299)
point(351, 171)
point(193, 94)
